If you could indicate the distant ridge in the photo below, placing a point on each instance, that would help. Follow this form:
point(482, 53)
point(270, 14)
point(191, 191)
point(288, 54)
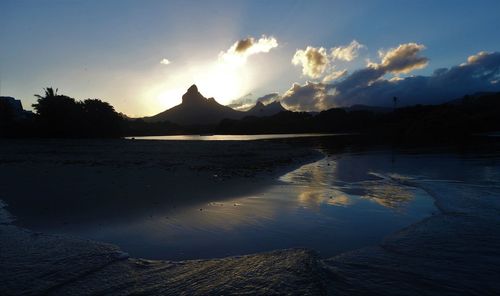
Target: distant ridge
point(375, 109)
point(265, 110)
point(195, 109)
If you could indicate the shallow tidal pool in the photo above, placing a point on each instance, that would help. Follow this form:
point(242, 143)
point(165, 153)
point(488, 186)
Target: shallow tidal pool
point(339, 203)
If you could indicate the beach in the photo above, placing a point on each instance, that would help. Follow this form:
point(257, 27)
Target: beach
point(454, 251)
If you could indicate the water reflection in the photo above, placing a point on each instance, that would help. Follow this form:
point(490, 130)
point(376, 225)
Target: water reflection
point(229, 137)
point(389, 195)
point(332, 205)
point(321, 183)
point(318, 197)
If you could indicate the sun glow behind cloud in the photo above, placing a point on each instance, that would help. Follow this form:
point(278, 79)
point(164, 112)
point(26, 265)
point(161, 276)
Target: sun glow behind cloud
point(214, 79)
point(225, 78)
point(222, 81)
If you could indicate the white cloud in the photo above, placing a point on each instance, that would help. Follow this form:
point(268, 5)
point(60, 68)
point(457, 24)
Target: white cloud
point(403, 59)
point(165, 62)
point(477, 57)
point(314, 61)
point(346, 53)
point(239, 52)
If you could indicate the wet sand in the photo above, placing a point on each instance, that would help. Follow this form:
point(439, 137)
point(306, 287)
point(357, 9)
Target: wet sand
point(58, 181)
point(453, 252)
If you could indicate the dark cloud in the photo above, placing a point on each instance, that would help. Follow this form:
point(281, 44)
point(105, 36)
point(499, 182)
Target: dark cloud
point(335, 75)
point(368, 86)
point(243, 45)
point(309, 97)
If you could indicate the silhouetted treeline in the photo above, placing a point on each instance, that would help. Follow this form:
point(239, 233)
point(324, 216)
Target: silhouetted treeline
point(62, 116)
point(450, 121)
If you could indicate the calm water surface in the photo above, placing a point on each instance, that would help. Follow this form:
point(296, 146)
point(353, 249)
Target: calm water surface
point(229, 137)
point(310, 207)
point(339, 203)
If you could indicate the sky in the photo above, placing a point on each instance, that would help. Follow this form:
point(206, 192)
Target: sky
point(141, 56)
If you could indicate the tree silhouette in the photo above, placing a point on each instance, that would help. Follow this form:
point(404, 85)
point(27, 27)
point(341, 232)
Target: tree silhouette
point(57, 115)
point(100, 118)
point(49, 92)
point(62, 116)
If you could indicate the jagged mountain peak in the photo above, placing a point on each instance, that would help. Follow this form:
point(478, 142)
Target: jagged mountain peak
point(193, 96)
point(192, 89)
point(196, 109)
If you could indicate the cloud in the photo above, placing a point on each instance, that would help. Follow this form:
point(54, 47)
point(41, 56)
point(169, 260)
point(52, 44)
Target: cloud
point(477, 57)
point(335, 75)
point(243, 45)
point(269, 98)
point(403, 59)
point(346, 53)
point(368, 86)
point(246, 102)
point(314, 61)
point(165, 62)
point(239, 52)
point(309, 97)
point(242, 103)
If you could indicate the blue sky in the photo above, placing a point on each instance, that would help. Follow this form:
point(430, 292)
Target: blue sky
point(112, 49)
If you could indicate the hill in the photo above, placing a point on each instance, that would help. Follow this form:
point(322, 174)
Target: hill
point(196, 110)
point(270, 109)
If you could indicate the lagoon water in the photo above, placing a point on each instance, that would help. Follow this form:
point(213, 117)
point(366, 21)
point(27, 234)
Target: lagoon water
point(312, 207)
point(349, 199)
point(230, 137)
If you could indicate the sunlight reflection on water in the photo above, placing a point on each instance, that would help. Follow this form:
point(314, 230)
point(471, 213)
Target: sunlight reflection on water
point(229, 137)
point(313, 206)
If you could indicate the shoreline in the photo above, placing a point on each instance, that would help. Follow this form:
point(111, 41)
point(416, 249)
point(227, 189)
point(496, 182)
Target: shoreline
point(30, 260)
point(135, 177)
point(439, 254)
point(452, 252)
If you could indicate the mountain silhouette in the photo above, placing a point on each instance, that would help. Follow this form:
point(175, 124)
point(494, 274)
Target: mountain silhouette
point(375, 109)
point(265, 110)
point(195, 109)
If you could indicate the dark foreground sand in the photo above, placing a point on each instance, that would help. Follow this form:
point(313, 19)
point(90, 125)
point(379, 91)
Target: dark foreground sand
point(59, 181)
point(455, 252)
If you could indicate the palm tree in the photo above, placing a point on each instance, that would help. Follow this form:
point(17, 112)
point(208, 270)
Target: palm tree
point(49, 92)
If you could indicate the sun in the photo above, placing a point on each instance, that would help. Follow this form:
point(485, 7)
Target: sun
point(221, 81)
